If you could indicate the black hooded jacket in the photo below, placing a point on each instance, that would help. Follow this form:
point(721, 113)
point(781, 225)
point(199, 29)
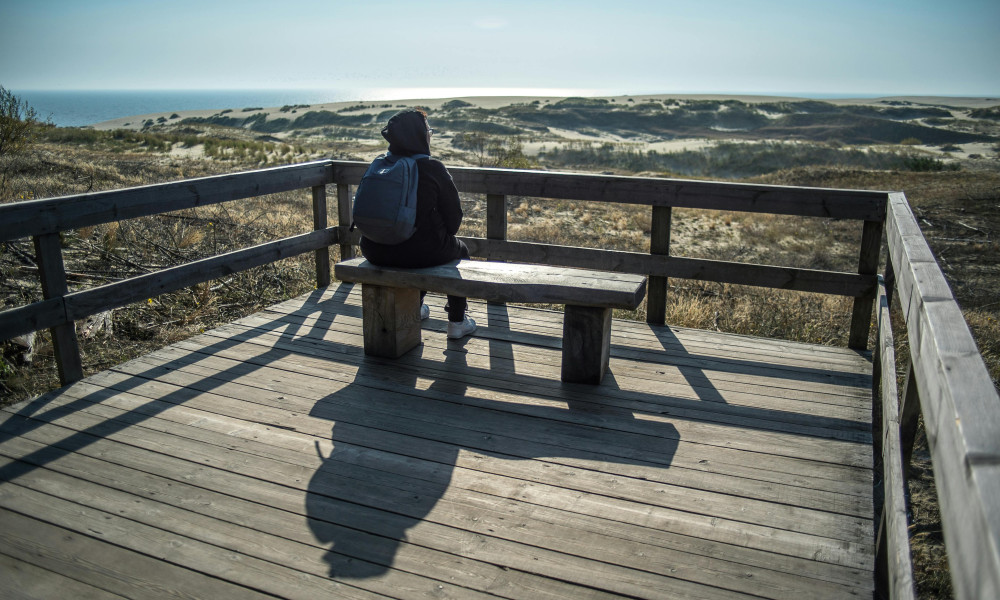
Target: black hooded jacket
point(439, 211)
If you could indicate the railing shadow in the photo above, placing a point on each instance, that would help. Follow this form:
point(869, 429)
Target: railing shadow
point(38, 412)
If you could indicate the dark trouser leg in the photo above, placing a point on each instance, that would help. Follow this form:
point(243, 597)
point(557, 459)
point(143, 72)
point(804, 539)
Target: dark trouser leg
point(456, 304)
point(456, 308)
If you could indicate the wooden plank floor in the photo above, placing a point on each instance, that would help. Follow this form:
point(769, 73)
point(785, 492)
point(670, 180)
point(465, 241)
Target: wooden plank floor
point(271, 458)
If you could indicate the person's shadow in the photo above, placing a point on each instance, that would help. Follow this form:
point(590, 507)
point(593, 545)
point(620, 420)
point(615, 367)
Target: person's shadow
point(403, 428)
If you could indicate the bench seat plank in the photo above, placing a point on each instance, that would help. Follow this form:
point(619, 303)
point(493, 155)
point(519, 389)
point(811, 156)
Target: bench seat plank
point(507, 282)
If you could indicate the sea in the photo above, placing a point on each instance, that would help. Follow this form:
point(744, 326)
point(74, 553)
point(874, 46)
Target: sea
point(77, 108)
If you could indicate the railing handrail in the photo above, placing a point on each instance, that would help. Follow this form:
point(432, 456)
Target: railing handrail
point(656, 191)
point(52, 215)
point(959, 403)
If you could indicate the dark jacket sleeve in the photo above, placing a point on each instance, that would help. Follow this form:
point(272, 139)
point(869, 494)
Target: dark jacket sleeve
point(449, 204)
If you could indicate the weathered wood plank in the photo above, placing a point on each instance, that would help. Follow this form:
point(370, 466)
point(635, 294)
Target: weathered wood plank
point(37, 217)
point(693, 464)
point(659, 245)
point(229, 401)
point(501, 282)
point(572, 536)
point(480, 363)
point(960, 406)
point(391, 320)
point(382, 478)
point(23, 581)
point(48, 253)
point(759, 438)
point(816, 202)
point(374, 486)
point(546, 487)
point(87, 302)
point(496, 216)
point(105, 565)
point(31, 317)
point(586, 345)
point(344, 221)
point(320, 224)
point(894, 567)
point(789, 278)
point(74, 306)
point(658, 358)
point(861, 318)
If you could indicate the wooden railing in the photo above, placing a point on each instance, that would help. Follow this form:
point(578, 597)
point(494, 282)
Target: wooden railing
point(662, 195)
point(947, 382)
point(43, 220)
point(956, 396)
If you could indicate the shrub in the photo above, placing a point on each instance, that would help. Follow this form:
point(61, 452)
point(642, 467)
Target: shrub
point(19, 126)
point(992, 113)
point(927, 163)
point(452, 104)
point(910, 141)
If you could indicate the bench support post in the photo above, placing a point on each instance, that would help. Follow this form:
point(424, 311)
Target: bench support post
point(586, 345)
point(391, 320)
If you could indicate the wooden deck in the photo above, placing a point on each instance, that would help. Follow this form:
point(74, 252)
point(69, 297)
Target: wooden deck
point(271, 458)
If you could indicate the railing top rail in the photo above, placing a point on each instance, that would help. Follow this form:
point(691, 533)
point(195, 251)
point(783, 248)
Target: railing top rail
point(657, 191)
point(960, 407)
point(37, 217)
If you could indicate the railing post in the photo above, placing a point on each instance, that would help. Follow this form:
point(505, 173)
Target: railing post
point(659, 244)
point(319, 223)
point(893, 562)
point(48, 251)
point(344, 219)
point(861, 317)
point(909, 414)
point(496, 220)
point(496, 217)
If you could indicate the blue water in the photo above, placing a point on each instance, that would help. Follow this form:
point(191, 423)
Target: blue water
point(74, 108)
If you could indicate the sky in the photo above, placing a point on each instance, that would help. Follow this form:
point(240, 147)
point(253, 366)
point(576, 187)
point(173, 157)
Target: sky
point(849, 47)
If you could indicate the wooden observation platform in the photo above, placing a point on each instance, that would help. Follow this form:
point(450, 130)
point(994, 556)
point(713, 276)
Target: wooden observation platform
point(272, 458)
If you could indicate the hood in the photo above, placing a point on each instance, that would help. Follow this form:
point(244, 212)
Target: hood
point(406, 133)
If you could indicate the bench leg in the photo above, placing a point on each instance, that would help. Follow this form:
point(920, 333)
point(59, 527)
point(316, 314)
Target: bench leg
point(586, 344)
point(391, 320)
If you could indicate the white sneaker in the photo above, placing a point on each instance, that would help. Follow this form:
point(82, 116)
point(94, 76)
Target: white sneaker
point(460, 330)
point(425, 312)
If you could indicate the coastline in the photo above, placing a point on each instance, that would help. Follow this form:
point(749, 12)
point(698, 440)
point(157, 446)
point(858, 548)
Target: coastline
point(135, 122)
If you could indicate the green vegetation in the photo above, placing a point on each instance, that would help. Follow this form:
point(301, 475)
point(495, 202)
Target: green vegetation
point(992, 113)
point(734, 159)
point(490, 151)
point(19, 126)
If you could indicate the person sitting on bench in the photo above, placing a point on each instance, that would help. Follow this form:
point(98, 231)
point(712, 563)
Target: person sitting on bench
point(439, 215)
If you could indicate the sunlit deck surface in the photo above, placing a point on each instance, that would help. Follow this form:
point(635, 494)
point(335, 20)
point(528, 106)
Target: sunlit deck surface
point(271, 458)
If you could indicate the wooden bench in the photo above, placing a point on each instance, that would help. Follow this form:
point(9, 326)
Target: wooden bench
point(390, 300)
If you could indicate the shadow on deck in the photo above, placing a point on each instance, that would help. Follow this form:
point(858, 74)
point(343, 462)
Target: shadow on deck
point(270, 457)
